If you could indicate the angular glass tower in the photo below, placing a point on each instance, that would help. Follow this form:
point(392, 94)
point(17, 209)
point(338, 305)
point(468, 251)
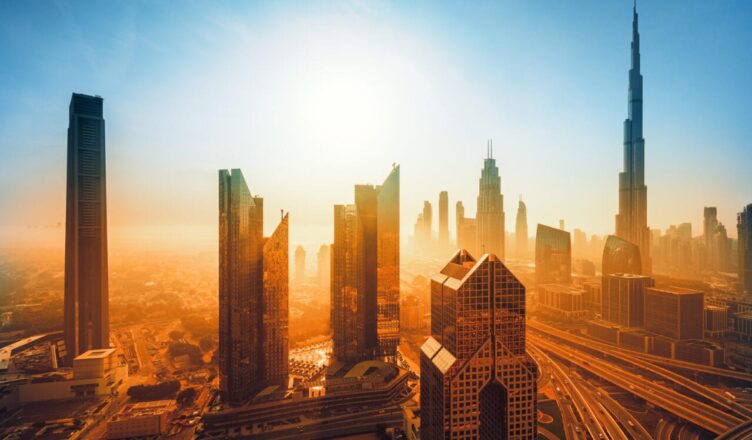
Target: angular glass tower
point(632, 219)
point(86, 309)
point(553, 256)
point(476, 379)
point(253, 293)
point(744, 229)
point(490, 213)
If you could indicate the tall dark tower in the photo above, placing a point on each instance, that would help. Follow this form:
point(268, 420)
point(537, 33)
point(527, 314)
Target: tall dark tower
point(86, 312)
point(632, 219)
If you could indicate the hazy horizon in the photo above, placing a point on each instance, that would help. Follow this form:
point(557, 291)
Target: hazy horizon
point(309, 100)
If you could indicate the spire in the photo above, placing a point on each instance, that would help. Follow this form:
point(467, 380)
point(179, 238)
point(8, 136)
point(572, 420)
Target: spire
point(635, 39)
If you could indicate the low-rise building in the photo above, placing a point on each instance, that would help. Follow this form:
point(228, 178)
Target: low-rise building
point(561, 301)
point(141, 419)
point(95, 373)
point(716, 321)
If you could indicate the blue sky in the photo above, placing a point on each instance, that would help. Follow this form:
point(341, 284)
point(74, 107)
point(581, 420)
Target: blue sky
point(309, 98)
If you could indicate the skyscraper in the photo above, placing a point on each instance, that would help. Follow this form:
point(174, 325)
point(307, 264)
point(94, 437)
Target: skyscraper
point(553, 256)
point(444, 220)
point(520, 230)
point(620, 256)
point(365, 273)
point(253, 293)
point(744, 229)
point(86, 309)
point(490, 213)
point(275, 308)
point(427, 225)
point(300, 265)
point(459, 216)
point(710, 229)
point(388, 263)
point(632, 219)
point(477, 381)
point(323, 267)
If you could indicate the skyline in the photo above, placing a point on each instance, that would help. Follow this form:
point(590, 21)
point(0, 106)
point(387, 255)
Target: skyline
point(397, 54)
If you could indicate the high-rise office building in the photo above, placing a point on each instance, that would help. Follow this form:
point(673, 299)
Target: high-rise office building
point(632, 219)
point(300, 265)
point(476, 380)
point(466, 230)
point(459, 216)
point(710, 230)
point(343, 300)
point(388, 263)
point(520, 230)
point(553, 256)
point(365, 273)
point(427, 225)
point(323, 267)
point(744, 229)
point(490, 213)
point(253, 293)
point(443, 220)
point(623, 299)
point(86, 309)
point(674, 312)
point(275, 307)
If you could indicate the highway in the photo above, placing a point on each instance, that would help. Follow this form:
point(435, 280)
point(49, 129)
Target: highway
point(590, 419)
point(627, 420)
point(706, 416)
point(719, 399)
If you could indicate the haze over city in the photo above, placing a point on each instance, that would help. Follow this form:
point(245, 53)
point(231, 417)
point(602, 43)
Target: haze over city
point(371, 220)
point(307, 98)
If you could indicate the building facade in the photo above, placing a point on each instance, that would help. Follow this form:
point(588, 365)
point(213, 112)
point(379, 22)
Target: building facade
point(632, 219)
point(520, 230)
point(744, 229)
point(624, 299)
point(86, 298)
point(620, 256)
point(365, 287)
point(253, 290)
point(490, 213)
point(674, 312)
point(443, 220)
point(477, 381)
point(553, 256)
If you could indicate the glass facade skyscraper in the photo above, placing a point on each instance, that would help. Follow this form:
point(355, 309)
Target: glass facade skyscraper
point(620, 256)
point(553, 256)
point(632, 219)
point(744, 229)
point(253, 293)
point(365, 273)
point(477, 381)
point(490, 213)
point(86, 299)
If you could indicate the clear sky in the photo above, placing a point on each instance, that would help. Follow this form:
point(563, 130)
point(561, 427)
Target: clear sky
point(310, 98)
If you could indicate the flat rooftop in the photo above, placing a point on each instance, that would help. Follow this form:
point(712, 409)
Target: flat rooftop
point(95, 354)
point(674, 290)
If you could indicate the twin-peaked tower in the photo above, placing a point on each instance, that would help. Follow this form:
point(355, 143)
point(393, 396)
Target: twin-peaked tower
point(632, 219)
point(253, 293)
point(476, 379)
point(365, 281)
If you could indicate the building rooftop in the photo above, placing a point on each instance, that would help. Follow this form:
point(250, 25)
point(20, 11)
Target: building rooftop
point(674, 290)
point(95, 354)
point(145, 409)
point(627, 275)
